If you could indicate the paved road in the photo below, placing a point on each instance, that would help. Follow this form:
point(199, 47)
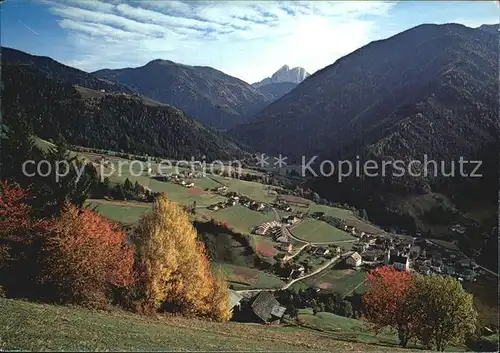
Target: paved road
point(329, 263)
point(298, 251)
point(352, 290)
point(286, 286)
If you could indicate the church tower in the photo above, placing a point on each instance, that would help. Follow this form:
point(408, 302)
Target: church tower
point(387, 256)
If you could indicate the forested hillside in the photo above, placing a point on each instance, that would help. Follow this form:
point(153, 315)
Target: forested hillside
point(208, 95)
point(116, 122)
point(57, 71)
point(429, 91)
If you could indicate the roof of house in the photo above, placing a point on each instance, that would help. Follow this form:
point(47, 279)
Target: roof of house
point(278, 311)
point(373, 253)
point(234, 298)
point(282, 239)
point(265, 306)
point(399, 259)
point(355, 256)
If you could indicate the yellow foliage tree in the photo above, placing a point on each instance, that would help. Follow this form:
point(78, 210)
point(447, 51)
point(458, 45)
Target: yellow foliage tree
point(219, 299)
point(176, 274)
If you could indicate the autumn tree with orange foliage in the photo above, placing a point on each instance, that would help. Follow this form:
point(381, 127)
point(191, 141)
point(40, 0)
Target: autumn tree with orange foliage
point(175, 272)
point(387, 302)
point(86, 257)
point(219, 299)
point(21, 237)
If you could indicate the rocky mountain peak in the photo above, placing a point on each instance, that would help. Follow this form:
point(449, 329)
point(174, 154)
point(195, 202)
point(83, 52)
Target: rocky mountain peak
point(285, 74)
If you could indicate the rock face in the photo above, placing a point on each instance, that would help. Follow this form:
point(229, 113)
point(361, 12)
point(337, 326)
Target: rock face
point(285, 74)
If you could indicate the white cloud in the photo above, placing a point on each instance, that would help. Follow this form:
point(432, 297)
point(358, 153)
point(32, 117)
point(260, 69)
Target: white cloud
point(247, 39)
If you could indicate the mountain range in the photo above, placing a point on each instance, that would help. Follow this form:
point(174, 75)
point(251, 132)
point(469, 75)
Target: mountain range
point(423, 90)
point(282, 81)
point(60, 72)
point(284, 74)
point(490, 28)
point(429, 91)
point(60, 100)
point(212, 97)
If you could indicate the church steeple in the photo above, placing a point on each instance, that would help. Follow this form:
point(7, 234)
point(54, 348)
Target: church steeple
point(387, 256)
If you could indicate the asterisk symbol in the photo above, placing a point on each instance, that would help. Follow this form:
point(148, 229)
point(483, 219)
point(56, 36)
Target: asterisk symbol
point(262, 160)
point(280, 161)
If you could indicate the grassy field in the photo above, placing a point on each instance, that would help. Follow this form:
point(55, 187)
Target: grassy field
point(345, 327)
point(313, 230)
point(255, 191)
point(346, 215)
point(240, 218)
point(341, 281)
point(485, 291)
point(247, 278)
point(35, 327)
point(121, 169)
point(332, 211)
point(127, 213)
point(264, 246)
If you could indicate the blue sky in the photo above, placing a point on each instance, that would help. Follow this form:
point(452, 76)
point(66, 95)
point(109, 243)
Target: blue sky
point(246, 39)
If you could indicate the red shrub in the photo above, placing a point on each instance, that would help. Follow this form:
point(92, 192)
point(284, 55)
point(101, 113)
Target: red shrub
point(20, 240)
point(86, 256)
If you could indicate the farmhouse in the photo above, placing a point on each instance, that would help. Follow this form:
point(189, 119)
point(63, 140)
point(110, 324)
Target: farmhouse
point(297, 271)
point(257, 206)
point(318, 215)
point(354, 260)
point(281, 238)
point(287, 247)
point(265, 227)
point(350, 229)
point(372, 255)
point(234, 299)
point(267, 308)
point(322, 251)
point(290, 220)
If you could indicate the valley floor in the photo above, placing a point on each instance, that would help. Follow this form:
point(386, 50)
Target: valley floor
point(40, 327)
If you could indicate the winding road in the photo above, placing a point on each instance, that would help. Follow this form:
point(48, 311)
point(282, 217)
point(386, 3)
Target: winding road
point(286, 286)
point(286, 231)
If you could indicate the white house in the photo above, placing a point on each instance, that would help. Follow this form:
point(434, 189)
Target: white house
point(322, 251)
point(354, 260)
